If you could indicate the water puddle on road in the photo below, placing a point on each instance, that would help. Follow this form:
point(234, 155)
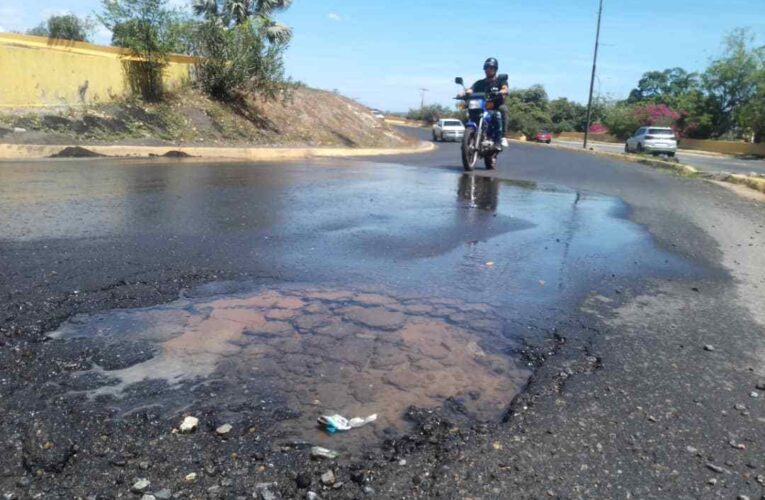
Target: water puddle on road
point(322, 350)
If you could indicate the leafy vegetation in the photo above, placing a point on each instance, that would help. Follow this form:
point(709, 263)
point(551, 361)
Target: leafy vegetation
point(724, 101)
point(147, 29)
point(64, 27)
point(433, 112)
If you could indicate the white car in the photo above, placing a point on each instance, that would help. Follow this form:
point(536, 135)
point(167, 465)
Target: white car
point(378, 114)
point(654, 140)
point(448, 130)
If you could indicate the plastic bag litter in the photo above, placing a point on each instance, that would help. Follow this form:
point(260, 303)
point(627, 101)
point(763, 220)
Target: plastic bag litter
point(334, 423)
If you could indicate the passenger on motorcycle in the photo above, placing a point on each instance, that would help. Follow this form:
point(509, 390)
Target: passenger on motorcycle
point(490, 67)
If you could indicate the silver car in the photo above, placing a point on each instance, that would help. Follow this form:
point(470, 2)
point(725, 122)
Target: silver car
point(448, 130)
point(654, 140)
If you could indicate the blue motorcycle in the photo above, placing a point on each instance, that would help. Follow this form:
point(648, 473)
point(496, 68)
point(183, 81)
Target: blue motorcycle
point(483, 126)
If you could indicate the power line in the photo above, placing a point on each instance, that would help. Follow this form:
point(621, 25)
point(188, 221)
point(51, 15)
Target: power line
point(422, 97)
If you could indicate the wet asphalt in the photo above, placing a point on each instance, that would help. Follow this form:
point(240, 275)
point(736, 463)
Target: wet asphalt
point(605, 281)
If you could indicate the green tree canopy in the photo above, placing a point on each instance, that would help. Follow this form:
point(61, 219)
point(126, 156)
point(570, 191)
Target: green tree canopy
point(258, 12)
point(64, 27)
point(732, 80)
point(148, 29)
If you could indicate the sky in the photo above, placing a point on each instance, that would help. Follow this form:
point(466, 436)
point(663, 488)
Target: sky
point(382, 53)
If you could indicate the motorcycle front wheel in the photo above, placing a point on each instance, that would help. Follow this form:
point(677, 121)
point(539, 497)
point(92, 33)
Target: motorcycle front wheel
point(469, 151)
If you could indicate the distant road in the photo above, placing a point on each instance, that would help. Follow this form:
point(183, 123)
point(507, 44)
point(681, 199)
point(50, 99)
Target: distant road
point(707, 163)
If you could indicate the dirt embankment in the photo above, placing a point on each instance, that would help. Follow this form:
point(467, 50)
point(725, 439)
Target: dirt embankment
point(304, 117)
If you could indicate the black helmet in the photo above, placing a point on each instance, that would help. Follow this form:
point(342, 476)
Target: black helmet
point(491, 63)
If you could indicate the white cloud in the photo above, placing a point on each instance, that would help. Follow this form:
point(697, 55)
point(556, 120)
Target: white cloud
point(334, 16)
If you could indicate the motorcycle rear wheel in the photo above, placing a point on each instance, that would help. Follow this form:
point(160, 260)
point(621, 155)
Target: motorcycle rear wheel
point(469, 152)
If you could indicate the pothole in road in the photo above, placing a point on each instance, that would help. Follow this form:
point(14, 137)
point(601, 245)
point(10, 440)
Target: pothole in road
point(322, 351)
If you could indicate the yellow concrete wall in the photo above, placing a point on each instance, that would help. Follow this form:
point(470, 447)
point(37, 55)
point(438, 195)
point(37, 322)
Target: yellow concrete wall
point(38, 71)
point(725, 147)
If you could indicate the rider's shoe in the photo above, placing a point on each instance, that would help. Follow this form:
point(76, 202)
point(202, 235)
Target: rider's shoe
point(504, 142)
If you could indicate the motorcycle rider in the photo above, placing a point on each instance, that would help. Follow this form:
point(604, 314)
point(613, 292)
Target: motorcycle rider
point(490, 67)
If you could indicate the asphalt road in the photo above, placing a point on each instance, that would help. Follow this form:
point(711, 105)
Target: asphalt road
point(707, 163)
point(605, 280)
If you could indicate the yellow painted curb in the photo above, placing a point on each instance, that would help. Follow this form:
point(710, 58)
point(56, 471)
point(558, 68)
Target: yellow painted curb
point(37, 151)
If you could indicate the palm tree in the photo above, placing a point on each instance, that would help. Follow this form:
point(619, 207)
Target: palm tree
point(240, 11)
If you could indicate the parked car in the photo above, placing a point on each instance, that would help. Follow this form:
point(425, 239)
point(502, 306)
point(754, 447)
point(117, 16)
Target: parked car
point(542, 136)
point(378, 114)
point(448, 130)
point(654, 140)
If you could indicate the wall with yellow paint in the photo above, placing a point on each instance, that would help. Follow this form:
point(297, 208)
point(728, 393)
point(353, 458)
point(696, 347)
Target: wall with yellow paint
point(38, 71)
point(725, 147)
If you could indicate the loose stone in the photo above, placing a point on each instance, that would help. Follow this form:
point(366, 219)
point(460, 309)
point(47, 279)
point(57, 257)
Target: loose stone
point(189, 424)
point(223, 429)
point(140, 486)
point(328, 478)
point(715, 468)
point(264, 491)
point(163, 494)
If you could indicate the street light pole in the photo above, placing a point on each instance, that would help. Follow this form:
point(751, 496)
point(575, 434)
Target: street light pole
point(592, 78)
point(422, 100)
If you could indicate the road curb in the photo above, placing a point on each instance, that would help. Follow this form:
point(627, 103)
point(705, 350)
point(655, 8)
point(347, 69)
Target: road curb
point(752, 182)
point(39, 151)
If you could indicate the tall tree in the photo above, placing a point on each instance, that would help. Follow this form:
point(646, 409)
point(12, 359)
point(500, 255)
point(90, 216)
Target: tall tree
point(64, 27)
point(731, 80)
point(665, 87)
point(147, 29)
point(237, 12)
point(567, 116)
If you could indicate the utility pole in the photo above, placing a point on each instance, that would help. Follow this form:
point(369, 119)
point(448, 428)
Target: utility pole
point(422, 97)
point(592, 78)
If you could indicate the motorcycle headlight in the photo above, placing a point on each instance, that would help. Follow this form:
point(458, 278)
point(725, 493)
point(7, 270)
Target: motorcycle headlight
point(474, 104)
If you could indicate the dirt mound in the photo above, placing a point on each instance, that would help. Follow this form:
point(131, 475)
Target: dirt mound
point(300, 117)
point(173, 154)
point(76, 152)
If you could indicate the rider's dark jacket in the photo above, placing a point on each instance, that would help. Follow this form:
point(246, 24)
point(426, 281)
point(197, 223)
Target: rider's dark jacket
point(486, 84)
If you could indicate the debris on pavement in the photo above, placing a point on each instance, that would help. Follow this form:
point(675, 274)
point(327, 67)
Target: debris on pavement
point(328, 478)
point(189, 425)
point(319, 452)
point(264, 491)
point(140, 486)
point(709, 347)
point(334, 423)
point(223, 429)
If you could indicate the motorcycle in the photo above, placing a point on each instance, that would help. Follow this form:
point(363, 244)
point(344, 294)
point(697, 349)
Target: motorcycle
point(482, 126)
